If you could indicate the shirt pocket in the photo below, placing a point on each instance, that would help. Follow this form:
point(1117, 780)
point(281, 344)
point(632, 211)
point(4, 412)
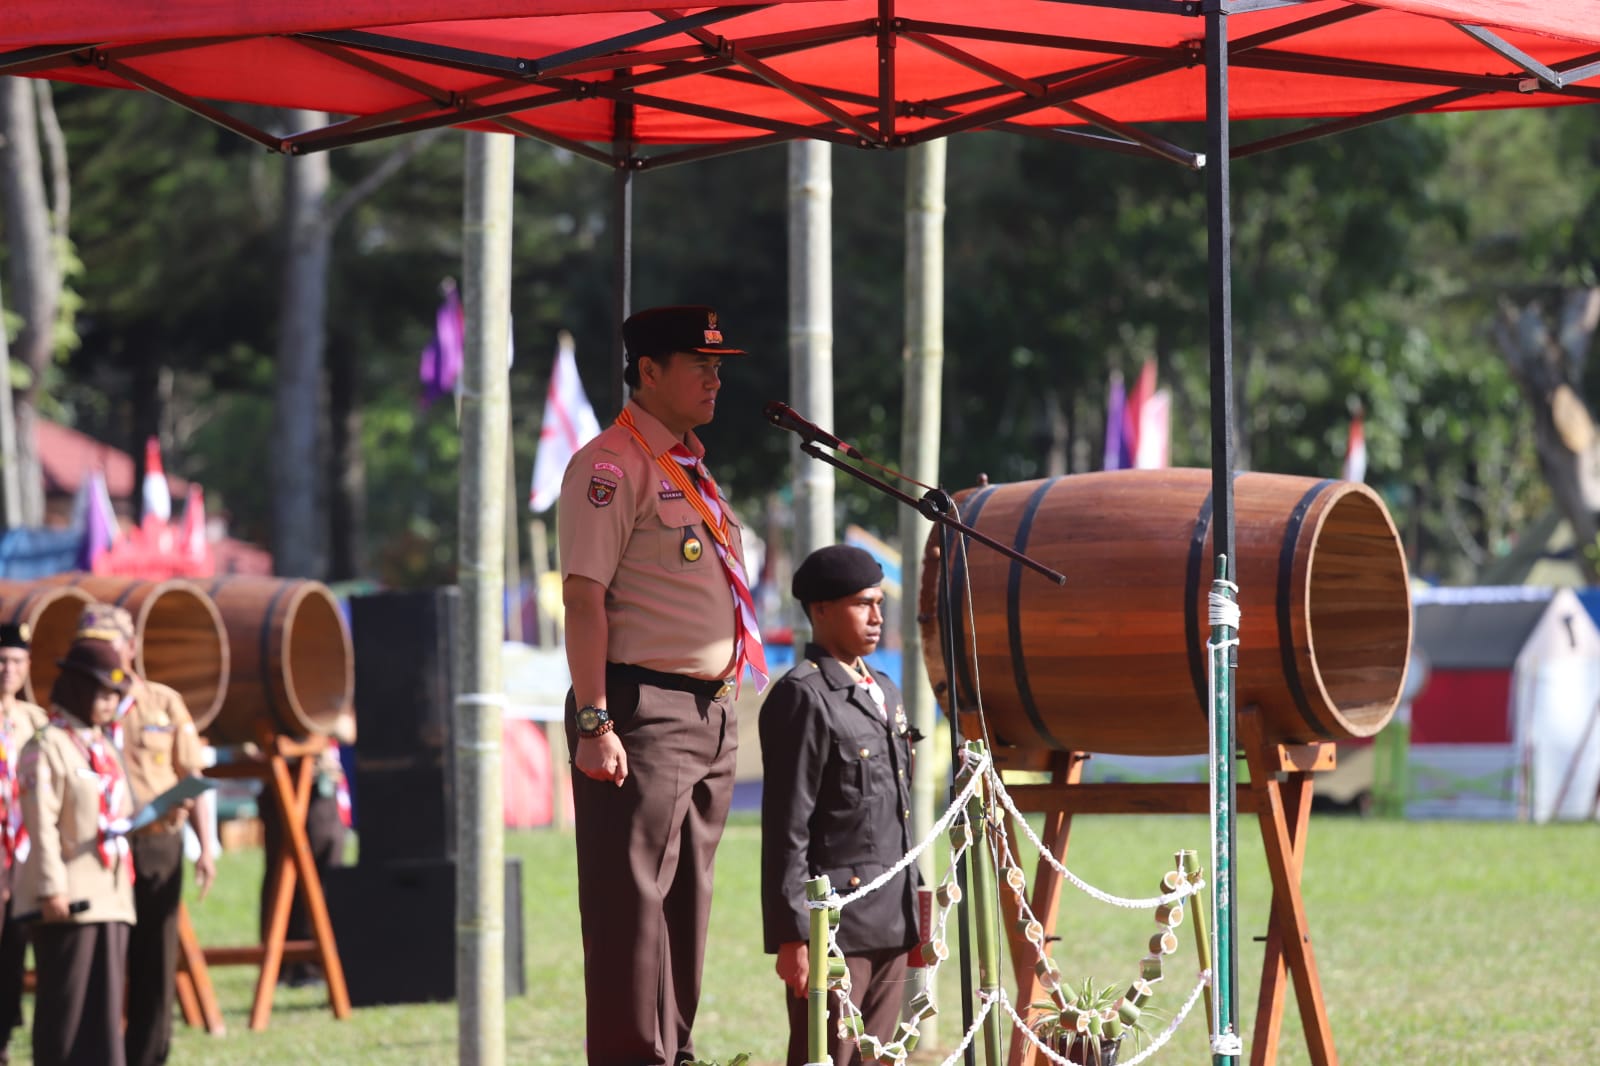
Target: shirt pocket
point(858, 760)
point(685, 544)
point(156, 742)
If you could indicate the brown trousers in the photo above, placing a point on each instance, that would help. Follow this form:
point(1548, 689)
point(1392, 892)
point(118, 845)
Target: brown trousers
point(153, 946)
point(82, 981)
point(645, 854)
point(877, 987)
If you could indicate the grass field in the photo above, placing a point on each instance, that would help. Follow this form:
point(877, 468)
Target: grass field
point(1438, 943)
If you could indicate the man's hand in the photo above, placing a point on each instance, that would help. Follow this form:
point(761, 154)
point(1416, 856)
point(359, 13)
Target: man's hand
point(54, 908)
point(603, 758)
point(794, 967)
point(205, 872)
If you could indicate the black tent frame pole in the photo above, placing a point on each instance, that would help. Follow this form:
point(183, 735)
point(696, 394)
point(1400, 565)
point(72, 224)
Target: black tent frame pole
point(1219, 243)
point(621, 246)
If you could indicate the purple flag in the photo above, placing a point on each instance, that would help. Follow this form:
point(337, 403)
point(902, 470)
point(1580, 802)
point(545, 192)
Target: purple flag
point(442, 358)
point(99, 522)
point(1116, 398)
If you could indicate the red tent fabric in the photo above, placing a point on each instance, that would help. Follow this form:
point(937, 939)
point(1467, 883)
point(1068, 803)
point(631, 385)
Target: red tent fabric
point(557, 68)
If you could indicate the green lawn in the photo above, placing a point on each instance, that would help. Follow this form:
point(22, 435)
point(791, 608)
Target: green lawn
point(1438, 943)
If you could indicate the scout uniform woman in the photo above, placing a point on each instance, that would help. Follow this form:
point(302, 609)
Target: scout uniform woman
point(78, 876)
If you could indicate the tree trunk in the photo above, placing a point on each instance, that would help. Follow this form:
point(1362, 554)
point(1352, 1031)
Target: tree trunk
point(35, 274)
point(347, 473)
point(1549, 363)
point(297, 534)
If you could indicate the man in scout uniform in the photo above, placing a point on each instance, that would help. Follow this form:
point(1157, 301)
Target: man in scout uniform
point(159, 744)
point(19, 720)
point(660, 627)
point(836, 800)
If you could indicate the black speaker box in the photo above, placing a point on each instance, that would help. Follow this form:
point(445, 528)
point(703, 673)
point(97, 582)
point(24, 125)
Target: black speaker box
point(405, 807)
point(396, 929)
point(405, 652)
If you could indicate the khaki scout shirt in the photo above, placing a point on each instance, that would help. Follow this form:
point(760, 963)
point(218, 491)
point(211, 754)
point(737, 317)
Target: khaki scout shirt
point(624, 525)
point(60, 796)
point(17, 726)
point(159, 743)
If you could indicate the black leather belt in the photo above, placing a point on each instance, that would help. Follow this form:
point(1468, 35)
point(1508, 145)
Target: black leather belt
point(642, 675)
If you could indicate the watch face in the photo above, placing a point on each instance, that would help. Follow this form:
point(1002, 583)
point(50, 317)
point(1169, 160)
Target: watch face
point(589, 719)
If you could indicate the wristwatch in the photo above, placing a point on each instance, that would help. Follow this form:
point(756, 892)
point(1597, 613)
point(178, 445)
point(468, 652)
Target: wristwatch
point(593, 722)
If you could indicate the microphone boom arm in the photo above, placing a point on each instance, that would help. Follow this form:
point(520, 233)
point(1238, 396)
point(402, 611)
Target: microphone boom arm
point(935, 507)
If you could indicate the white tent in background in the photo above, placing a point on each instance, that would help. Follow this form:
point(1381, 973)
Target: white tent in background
point(1555, 709)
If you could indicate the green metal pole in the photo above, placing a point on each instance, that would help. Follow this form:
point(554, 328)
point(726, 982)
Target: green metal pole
point(1225, 1044)
point(982, 872)
point(817, 995)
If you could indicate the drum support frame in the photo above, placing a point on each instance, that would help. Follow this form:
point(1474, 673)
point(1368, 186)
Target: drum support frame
point(1282, 777)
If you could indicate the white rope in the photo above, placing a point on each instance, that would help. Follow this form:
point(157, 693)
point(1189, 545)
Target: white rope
point(958, 806)
point(1181, 892)
point(1154, 1046)
point(972, 1033)
point(1224, 610)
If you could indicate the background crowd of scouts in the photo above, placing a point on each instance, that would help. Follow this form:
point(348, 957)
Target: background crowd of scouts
point(98, 903)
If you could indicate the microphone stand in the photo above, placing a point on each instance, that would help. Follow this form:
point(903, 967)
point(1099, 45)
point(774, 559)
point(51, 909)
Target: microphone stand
point(938, 507)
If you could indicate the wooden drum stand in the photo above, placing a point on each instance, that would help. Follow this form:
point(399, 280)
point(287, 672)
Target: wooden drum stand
point(294, 870)
point(1284, 810)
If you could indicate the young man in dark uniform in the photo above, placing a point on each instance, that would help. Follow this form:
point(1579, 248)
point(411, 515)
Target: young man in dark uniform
point(659, 627)
point(836, 800)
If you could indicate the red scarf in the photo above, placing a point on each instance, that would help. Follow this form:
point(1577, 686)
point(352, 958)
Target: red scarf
point(13, 831)
point(103, 761)
point(690, 476)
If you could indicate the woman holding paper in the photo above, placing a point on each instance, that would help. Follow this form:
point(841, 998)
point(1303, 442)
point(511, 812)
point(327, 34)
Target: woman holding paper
point(78, 877)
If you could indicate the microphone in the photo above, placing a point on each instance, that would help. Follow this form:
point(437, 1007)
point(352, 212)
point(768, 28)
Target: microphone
point(785, 417)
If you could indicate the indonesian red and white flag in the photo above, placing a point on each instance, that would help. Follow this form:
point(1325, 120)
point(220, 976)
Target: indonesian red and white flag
point(569, 423)
point(157, 497)
point(1355, 452)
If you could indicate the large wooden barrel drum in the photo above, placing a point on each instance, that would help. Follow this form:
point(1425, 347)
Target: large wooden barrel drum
point(179, 637)
point(1115, 660)
point(293, 669)
point(51, 614)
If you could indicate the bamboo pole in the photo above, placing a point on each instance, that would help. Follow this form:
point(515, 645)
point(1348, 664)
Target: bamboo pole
point(984, 914)
point(817, 979)
point(811, 334)
point(919, 458)
point(480, 873)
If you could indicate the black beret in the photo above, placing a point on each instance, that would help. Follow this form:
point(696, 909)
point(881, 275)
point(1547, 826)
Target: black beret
point(834, 572)
point(660, 331)
point(14, 636)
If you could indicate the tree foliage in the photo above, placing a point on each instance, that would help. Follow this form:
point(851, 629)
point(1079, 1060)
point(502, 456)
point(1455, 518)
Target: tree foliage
point(1369, 268)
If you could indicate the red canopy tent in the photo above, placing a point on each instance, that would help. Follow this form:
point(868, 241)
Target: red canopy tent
point(603, 77)
point(869, 73)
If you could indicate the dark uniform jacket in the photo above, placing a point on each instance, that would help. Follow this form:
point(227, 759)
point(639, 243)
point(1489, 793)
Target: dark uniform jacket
point(835, 800)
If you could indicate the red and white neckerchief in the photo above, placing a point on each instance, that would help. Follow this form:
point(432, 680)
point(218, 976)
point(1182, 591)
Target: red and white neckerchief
point(863, 677)
point(13, 831)
point(114, 730)
point(690, 476)
point(103, 760)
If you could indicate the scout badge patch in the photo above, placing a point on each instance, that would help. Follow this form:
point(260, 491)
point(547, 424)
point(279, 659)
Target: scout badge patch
point(692, 548)
point(601, 491)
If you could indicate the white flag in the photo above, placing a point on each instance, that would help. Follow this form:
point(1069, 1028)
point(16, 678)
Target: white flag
point(568, 425)
point(1155, 432)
